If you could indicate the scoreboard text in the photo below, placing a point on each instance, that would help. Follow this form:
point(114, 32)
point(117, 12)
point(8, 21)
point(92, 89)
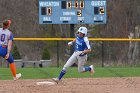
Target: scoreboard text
point(72, 11)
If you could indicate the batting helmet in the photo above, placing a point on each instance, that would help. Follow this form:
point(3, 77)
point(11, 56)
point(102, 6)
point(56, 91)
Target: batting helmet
point(83, 30)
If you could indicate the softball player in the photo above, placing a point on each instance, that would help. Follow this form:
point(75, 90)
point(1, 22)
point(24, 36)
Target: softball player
point(6, 38)
point(82, 47)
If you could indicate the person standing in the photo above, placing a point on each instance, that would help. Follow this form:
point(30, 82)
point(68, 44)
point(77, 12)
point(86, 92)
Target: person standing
point(82, 48)
point(6, 39)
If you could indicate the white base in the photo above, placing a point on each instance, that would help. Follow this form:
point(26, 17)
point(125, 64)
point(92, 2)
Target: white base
point(45, 83)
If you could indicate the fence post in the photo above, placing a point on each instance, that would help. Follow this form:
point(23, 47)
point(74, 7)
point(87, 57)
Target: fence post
point(72, 36)
point(57, 53)
point(102, 53)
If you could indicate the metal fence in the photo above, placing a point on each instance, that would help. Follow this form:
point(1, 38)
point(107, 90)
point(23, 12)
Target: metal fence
point(106, 52)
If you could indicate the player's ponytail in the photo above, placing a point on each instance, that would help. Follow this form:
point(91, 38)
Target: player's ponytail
point(6, 23)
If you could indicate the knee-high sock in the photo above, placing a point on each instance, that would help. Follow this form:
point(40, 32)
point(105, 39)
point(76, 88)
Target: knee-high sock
point(61, 74)
point(13, 69)
point(87, 68)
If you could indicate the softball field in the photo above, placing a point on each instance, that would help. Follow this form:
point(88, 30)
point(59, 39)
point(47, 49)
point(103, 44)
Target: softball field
point(73, 85)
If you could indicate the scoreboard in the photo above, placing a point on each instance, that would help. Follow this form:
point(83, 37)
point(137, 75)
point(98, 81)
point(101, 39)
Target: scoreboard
point(72, 11)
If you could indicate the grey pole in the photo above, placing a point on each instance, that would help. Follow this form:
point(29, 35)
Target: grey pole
point(72, 36)
point(102, 53)
point(57, 44)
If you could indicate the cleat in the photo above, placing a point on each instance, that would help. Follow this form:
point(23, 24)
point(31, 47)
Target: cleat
point(55, 80)
point(17, 76)
point(92, 70)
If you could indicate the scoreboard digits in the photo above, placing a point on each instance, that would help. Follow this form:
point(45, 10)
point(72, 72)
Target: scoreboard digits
point(72, 11)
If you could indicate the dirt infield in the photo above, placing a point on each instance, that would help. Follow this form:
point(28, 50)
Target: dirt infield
point(73, 85)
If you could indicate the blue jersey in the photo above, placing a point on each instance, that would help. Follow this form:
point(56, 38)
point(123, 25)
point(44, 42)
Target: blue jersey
point(82, 44)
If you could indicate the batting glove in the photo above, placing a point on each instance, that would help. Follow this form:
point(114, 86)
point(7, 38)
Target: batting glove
point(82, 54)
point(70, 43)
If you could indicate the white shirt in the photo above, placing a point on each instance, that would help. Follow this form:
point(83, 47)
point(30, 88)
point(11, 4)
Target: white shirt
point(5, 36)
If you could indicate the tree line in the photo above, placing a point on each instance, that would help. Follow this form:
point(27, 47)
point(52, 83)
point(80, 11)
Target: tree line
point(123, 21)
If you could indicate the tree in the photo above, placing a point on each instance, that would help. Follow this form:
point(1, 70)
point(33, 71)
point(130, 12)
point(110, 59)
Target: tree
point(16, 53)
point(46, 54)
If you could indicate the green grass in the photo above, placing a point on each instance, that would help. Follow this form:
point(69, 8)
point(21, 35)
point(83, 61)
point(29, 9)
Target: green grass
point(50, 72)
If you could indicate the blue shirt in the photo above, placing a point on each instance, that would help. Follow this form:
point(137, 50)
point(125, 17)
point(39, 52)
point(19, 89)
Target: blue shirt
point(82, 44)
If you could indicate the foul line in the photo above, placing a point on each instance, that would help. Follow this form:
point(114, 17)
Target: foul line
point(65, 39)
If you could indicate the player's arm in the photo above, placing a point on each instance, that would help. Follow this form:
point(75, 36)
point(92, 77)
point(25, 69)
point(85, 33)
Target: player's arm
point(71, 42)
point(9, 46)
point(8, 49)
point(85, 52)
point(88, 50)
point(10, 41)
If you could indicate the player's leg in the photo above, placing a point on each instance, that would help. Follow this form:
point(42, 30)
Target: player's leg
point(70, 62)
point(3, 52)
point(81, 62)
point(10, 60)
point(13, 67)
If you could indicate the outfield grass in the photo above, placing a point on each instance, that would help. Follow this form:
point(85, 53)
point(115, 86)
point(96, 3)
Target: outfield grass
point(50, 72)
